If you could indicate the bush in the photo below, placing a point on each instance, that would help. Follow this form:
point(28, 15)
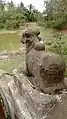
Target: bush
point(57, 45)
point(2, 25)
point(59, 23)
point(15, 16)
point(12, 25)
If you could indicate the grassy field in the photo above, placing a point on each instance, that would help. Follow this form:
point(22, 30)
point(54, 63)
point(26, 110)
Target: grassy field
point(9, 41)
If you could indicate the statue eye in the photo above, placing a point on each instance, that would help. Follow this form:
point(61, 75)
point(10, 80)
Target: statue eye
point(27, 35)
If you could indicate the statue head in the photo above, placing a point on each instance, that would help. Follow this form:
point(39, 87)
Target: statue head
point(30, 36)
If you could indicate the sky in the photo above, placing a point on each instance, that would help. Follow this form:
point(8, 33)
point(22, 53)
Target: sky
point(38, 4)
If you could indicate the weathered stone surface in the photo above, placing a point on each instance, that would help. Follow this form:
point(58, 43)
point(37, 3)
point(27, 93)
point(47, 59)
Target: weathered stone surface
point(38, 103)
point(47, 69)
point(60, 110)
point(39, 46)
point(4, 91)
point(20, 106)
point(22, 101)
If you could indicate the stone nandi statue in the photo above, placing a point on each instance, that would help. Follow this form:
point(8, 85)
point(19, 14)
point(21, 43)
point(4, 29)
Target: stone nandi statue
point(47, 69)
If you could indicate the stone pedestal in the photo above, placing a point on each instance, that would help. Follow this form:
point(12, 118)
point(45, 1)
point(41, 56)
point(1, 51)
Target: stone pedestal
point(21, 100)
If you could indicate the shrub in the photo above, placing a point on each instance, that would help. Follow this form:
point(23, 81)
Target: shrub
point(2, 25)
point(58, 23)
point(57, 45)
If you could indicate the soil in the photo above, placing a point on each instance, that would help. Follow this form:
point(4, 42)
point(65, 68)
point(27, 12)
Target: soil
point(63, 31)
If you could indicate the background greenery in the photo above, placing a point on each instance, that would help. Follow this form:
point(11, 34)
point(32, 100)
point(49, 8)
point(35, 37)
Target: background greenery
point(13, 17)
point(55, 13)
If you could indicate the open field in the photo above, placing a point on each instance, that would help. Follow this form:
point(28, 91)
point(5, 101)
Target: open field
point(9, 41)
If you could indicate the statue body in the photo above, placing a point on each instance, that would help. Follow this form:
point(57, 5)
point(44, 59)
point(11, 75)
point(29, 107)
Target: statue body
point(47, 69)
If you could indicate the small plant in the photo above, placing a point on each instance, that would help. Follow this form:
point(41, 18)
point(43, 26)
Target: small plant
point(58, 45)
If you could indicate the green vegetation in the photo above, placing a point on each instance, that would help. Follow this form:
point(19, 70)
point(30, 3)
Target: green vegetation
point(9, 65)
point(55, 14)
point(55, 41)
point(9, 42)
point(57, 44)
point(13, 17)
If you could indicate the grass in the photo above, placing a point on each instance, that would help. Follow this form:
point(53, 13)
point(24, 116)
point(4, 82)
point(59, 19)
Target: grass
point(46, 32)
point(9, 42)
point(47, 35)
point(9, 65)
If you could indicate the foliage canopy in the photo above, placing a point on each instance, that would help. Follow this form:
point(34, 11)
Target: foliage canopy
point(56, 13)
point(12, 17)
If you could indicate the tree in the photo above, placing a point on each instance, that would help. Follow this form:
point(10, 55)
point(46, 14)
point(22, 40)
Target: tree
point(1, 5)
point(56, 11)
point(31, 7)
point(15, 16)
point(55, 7)
point(11, 5)
point(22, 5)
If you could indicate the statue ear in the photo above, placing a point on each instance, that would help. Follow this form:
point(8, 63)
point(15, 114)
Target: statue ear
point(37, 33)
point(39, 38)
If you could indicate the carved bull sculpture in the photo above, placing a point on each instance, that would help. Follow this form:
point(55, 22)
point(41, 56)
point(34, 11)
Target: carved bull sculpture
point(47, 69)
